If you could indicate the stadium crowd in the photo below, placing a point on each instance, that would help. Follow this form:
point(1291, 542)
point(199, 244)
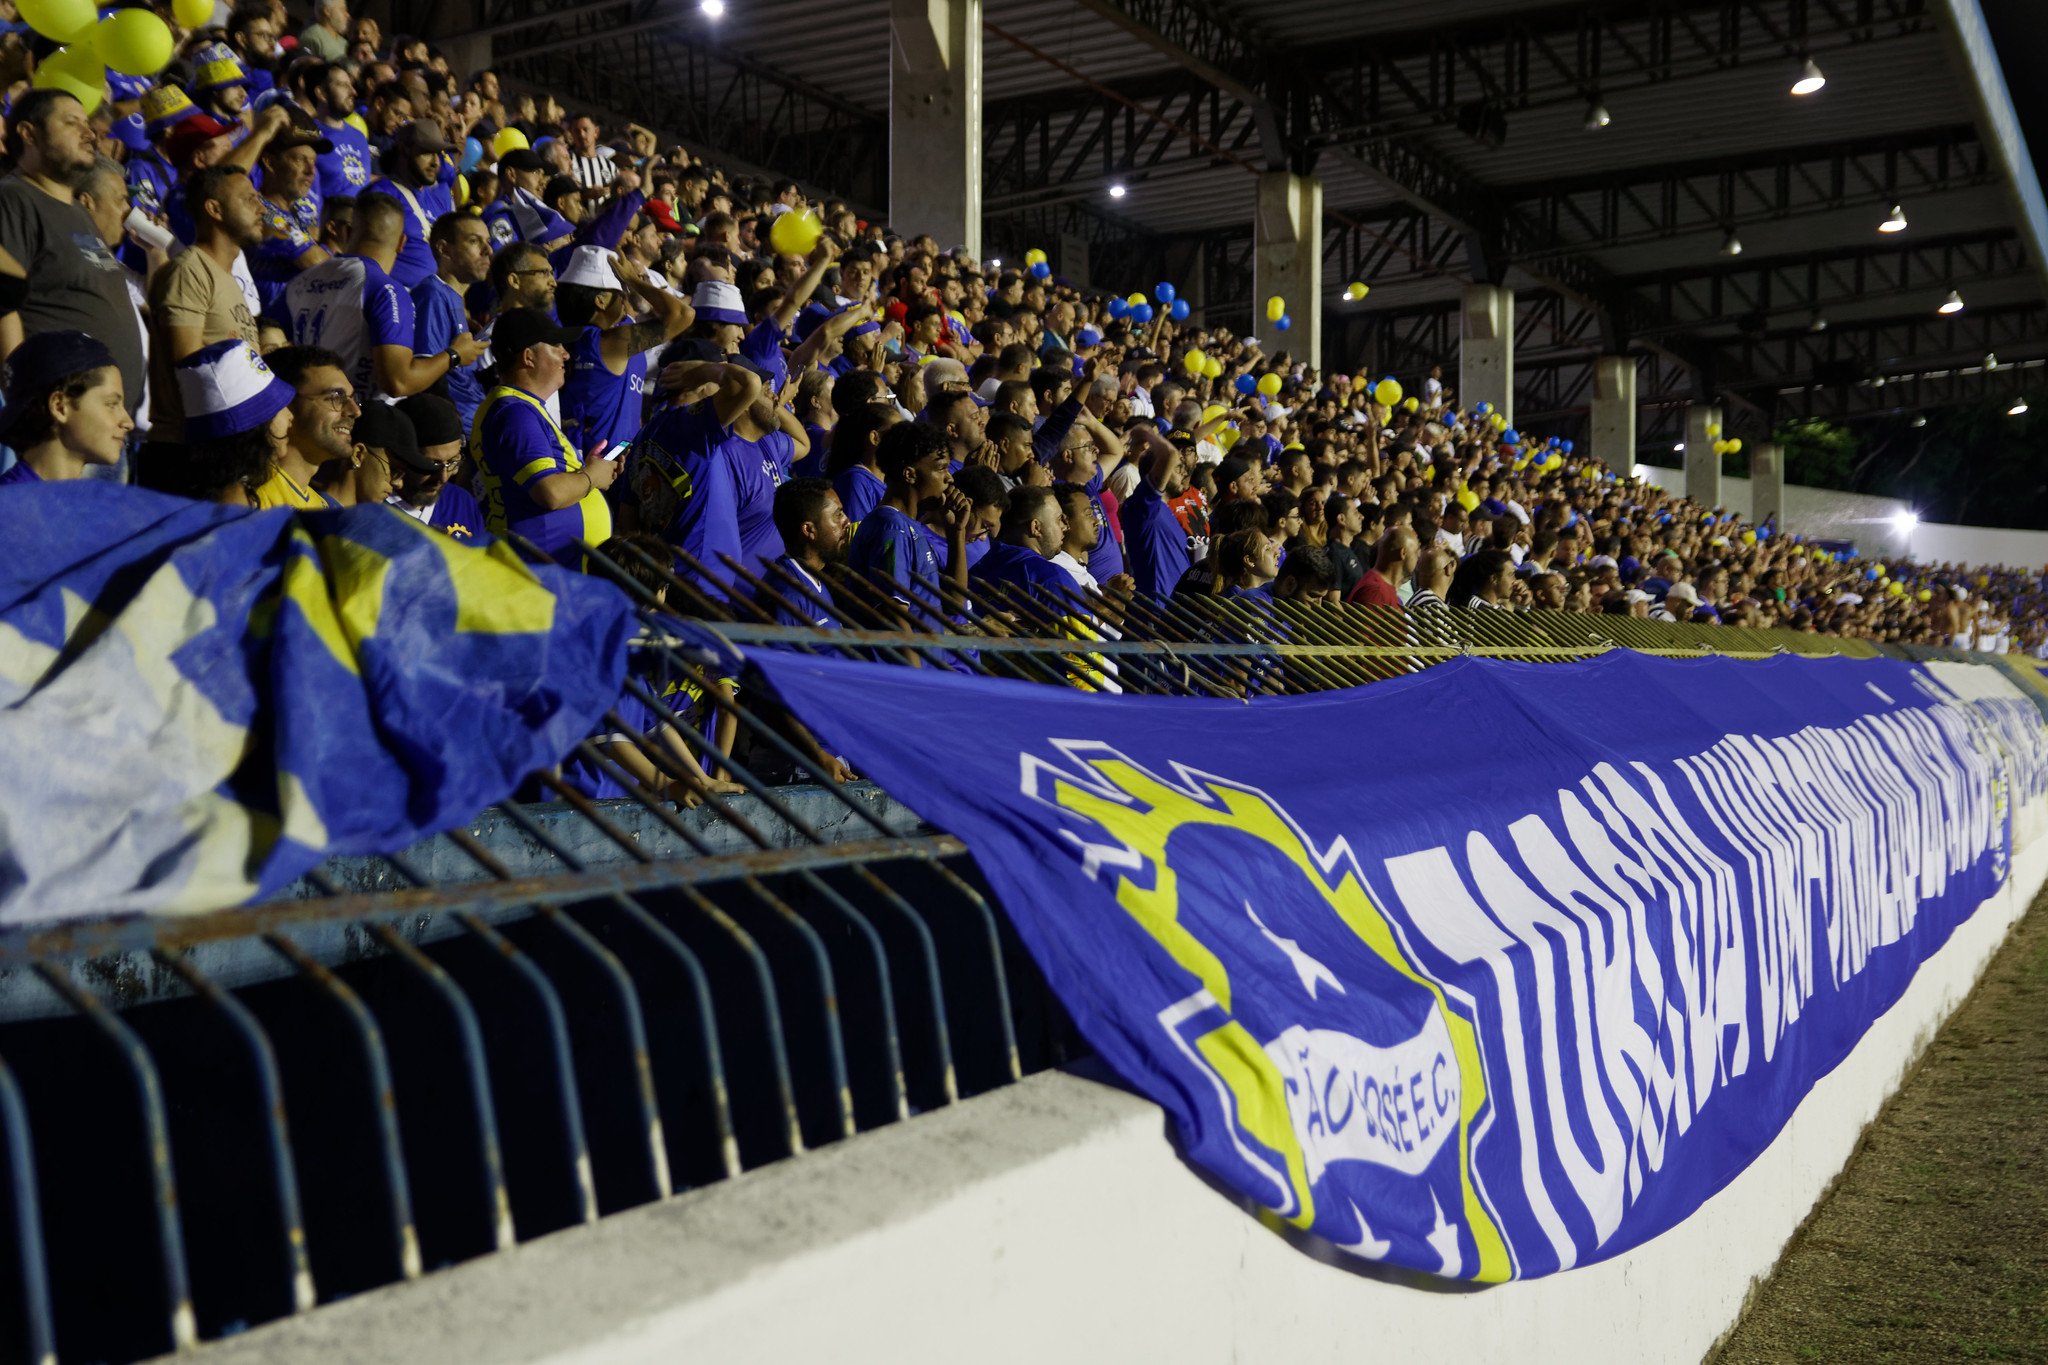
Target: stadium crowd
point(307, 265)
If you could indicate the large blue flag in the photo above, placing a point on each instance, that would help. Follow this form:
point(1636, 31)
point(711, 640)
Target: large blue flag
point(1489, 971)
point(199, 703)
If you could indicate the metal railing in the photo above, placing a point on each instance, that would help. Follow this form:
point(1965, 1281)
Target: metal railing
point(215, 1121)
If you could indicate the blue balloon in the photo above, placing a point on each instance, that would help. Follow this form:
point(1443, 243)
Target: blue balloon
point(1041, 271)
point(1283, 322)
point(1483, 409)
point(1511, 437)
point(472, 154)
point(1247, 384)
point(1141, 313)
point(1870, 575)
point(1565, 446)
point(1119, 309)
point(1179, 311)
point(1163, 292)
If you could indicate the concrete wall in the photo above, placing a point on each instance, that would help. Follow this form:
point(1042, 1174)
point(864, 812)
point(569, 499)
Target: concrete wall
point(1052, 1221)
point(1935, 543)
point(1872, 522)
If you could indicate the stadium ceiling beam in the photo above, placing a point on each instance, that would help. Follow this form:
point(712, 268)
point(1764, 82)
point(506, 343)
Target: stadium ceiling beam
point(1718, 194)
point(1849, 354)
point(1911, 393)
point(1746, 293)
point(1477, 74)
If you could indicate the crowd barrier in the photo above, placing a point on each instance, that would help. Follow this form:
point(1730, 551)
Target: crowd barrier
point(220, 1121)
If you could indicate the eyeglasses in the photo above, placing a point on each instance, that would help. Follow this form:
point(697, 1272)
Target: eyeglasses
point(340, 400)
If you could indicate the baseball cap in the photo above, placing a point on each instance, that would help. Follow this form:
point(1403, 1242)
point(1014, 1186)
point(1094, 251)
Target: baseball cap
point(385, 428)
point(228, 389)
point(185, 139)
point(521, 328)
point(33, 370)
point(435, 422)
point(521, 159)
point(1683, 592)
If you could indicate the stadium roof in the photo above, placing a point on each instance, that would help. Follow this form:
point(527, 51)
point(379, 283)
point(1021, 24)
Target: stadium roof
point(1452, 140)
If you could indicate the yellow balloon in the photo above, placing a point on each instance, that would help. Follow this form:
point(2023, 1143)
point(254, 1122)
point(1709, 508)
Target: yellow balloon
point(1228, 437)
point(1713, 430)
point(1925, 594)
point(1269, 384)
point(1355, 291)
point(1749, 537)
point(1411, 404)
point(192, 13)
point(1467, 499)
point(1387, 391)
point(1734, 445)
point(133, 42)
point(1215, 368)
point(1275, 306)
point(1500, 421)
point(795, 233)
point(1195, 361)
point(62, 20)
point(1136, 299)
point(76, 71)
point(1213, 411)
point(1895, 588)
point(508, 140)
point(1034, 256)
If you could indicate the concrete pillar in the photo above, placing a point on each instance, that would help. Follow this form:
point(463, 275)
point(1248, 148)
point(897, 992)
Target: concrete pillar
point(935, 120)
point(1702, 465)
point(1766, 483)
point(1614, 412)
point(1074, 259)
point(1289, 262)
point(1486, 351)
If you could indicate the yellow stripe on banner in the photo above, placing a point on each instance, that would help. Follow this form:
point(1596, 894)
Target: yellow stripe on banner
point(495, 592)
point(305, 584)
point(355, 582)
point(533, 467)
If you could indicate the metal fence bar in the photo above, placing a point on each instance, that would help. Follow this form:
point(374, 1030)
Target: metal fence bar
point(37, 1329)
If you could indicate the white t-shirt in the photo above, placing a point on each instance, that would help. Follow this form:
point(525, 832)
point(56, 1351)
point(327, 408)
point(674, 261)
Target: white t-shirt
point(1076, 570)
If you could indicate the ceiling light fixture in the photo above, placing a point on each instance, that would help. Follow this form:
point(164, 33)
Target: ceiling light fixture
point(1920, 421)
point(1597, 117)
point(1117, 191)
point(1895, 223)
point(711, 9)
point(1819, 323)
point(2018, 409)
point(1952, 304)
point(1732, 244)
point(1809, 80)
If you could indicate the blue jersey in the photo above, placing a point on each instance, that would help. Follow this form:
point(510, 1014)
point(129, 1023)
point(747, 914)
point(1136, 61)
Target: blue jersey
point(290, 231)
point(1155, 539)
point(599, 407)
point(349, 306)
point(679, 475)
point(1022, 567)
point(516, 445)
point(859, 489)
point(808, 613)
point(1106, 560)
point(519, 216)
point(349, 167)
point(893, 547)
point(438, 318)
point(19, 472)
point(758, 470)
point(812, 466)
point(422, 206)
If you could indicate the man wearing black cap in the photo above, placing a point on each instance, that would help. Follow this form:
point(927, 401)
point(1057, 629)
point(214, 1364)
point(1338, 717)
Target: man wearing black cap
point(383, 443)
point(412, 175)
point(425, 472)
point(536, 484)
point(517, 214)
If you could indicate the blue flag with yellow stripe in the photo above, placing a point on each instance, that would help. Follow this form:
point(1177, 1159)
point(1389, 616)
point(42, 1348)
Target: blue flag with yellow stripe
point(200, 703)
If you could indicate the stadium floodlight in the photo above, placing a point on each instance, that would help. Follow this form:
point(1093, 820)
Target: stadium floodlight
point(1895, 223)
point(711, 9)
point(1597, 117)
point(1906, 521)
point(1810, 78)
point(1732, 244)
point(1920, 420)
point(1117, 191)
point(1952, 304)
point(2018, 409)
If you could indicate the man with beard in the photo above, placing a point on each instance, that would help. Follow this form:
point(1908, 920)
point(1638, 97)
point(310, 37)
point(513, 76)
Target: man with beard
point(425, 475)
point(196, 300)
point(323, 425)
point(291, 210)
point(73, 283)
point(412, 175)
point(815, 533)
point(346, 170)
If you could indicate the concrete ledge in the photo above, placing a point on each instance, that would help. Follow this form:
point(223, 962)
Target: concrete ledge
point(1053, 1221)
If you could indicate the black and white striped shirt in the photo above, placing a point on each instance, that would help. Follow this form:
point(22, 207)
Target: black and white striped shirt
point(592, 172)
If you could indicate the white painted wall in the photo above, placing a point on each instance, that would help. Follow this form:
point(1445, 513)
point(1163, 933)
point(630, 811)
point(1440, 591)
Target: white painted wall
point(1052, 1221)
point(1872, 522)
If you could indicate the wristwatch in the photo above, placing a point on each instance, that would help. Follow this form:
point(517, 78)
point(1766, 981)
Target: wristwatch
point(454, 360)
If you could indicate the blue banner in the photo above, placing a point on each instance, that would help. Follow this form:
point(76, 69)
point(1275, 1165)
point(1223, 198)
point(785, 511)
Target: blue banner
point(200, 703)
point(1490, 971)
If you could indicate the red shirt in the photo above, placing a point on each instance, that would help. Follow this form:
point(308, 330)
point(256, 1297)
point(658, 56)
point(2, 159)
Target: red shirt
point(1373, 590)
